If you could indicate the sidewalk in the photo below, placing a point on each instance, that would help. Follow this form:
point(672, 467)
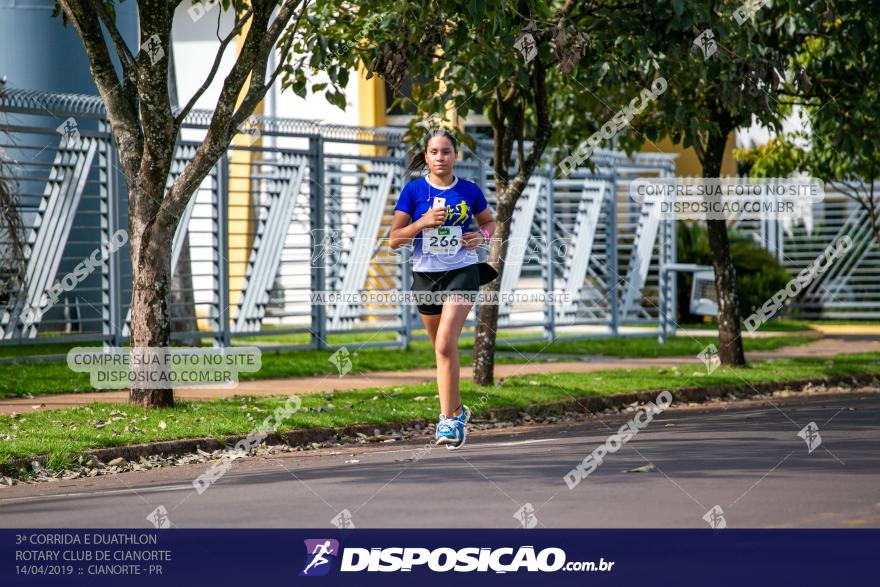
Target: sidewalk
point(825, 347)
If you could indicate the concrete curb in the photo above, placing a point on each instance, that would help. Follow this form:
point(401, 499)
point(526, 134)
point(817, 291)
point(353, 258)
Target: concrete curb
point(587, 404)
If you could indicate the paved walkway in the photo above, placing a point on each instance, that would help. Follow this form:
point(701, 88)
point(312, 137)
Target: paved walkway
point(824, 347)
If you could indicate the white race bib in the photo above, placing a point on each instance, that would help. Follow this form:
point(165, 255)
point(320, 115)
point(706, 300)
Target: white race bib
point(443, 240)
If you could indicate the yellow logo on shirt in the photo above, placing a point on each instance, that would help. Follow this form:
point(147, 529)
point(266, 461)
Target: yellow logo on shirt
point(458, 214)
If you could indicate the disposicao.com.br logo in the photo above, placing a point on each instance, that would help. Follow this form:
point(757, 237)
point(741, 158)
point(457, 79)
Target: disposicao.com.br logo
point(441, 560)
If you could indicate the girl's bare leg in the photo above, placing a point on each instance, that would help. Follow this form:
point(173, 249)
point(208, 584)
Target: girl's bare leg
point(431, 322)
point(445, 341)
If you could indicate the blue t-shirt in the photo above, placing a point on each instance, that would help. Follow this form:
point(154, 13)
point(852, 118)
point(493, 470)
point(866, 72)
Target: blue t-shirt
point(464, 200)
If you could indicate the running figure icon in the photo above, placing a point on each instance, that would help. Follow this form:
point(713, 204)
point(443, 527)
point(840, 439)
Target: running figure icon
point(318, 552)
point(319, 559)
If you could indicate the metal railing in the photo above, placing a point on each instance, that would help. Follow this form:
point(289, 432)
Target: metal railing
point(850, 288)
point(294, 207)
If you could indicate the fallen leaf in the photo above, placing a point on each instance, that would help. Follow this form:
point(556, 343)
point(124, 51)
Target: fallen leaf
point(643, 469)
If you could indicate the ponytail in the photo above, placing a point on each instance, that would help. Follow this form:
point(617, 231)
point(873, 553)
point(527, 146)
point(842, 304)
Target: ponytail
point(417, 161)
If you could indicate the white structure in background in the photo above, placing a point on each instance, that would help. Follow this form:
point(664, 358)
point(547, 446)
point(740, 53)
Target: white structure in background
point(195, 44)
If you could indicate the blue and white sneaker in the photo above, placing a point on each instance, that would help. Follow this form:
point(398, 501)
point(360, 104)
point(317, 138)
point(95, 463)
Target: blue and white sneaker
point(461, 421)
point(461, 430)
point(447, 430)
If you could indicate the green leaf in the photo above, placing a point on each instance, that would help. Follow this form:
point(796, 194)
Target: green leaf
point(678, 7)
point(337, 99)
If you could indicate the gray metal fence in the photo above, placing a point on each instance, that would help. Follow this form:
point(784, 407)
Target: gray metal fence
point(295, 207)
point(850, 288)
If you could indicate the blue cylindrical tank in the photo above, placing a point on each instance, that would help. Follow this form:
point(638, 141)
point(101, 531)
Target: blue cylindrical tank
point(38, 53)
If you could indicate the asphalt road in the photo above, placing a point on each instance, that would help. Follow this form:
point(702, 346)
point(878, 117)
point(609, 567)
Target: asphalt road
point(745, 457)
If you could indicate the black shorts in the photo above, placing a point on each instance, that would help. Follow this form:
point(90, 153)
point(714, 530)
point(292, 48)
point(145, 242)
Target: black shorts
point(465, 279)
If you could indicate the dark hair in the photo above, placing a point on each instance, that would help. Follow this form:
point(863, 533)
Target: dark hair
point(417, 162)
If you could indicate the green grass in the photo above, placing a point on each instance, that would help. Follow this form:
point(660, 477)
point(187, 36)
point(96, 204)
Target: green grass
point(55, 377)
point(58, 348)
point(846, 322)
point(348, 338)
point(27, 350)
point(64, 434)
point(305, 338)
point(359, 337)
point(678, 346)
point(777, 325)
point(298, 338)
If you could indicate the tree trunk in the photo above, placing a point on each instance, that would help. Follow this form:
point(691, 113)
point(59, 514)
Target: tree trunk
point(730, 343)
point(508, 126)
point(487, 323)
point(150, 317)
point(872, 206)
point(145, 125)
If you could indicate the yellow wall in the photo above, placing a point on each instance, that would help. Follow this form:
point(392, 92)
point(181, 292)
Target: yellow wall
point(371, 99)
point(371, 107)
point(241, 222)
point(687, 164)
point(241, 218)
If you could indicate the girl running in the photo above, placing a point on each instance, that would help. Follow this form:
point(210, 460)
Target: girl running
point(436, 212)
